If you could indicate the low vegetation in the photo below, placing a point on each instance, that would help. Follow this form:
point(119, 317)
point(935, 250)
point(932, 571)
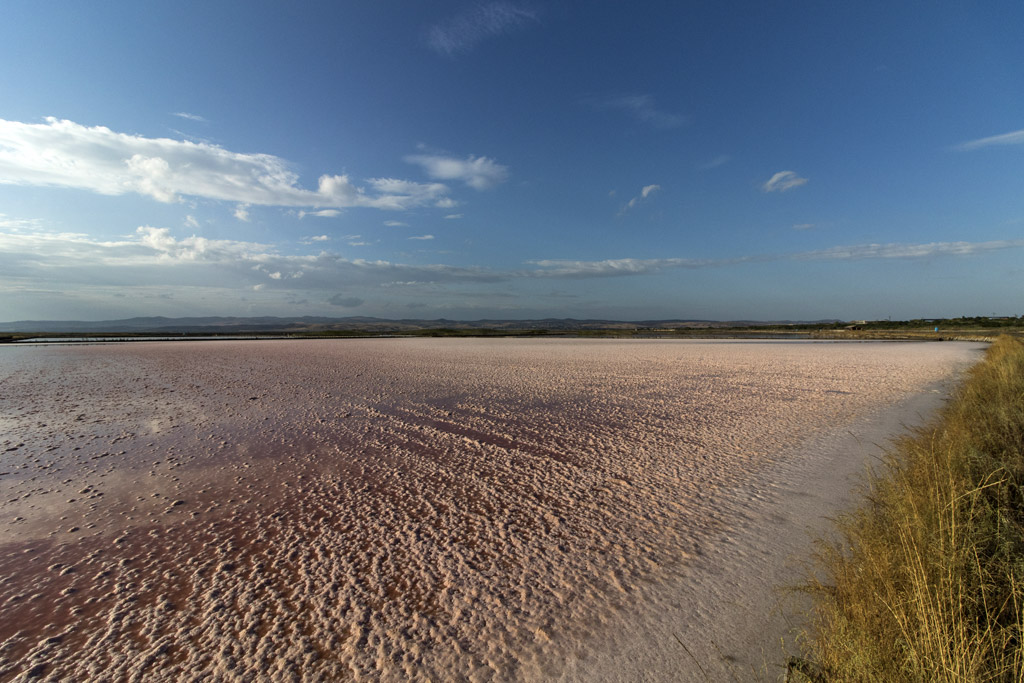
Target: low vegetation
point(934, 329)
point(925, 581)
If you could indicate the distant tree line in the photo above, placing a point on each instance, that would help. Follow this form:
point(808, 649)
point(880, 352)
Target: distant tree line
point(962, 322)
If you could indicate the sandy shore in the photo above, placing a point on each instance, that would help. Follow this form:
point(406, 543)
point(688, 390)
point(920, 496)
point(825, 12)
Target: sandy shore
point(442, 509)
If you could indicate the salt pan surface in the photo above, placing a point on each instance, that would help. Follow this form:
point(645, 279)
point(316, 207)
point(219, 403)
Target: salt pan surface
point(396, 509)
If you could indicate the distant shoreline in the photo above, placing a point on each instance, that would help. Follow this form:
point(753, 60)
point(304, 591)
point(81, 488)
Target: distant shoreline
point(978, 328)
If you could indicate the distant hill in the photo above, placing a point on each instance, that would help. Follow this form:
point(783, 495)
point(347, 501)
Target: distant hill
point(270, 324)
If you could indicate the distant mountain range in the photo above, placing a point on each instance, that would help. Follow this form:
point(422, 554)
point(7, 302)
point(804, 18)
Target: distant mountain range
point(269, 324)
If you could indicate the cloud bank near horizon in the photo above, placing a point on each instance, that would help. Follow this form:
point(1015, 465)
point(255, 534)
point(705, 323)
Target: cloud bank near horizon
point(28, 252)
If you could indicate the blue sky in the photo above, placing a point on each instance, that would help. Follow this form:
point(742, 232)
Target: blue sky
point(469, 160)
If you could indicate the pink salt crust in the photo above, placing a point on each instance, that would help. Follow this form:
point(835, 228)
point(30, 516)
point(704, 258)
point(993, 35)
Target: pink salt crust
point(426, 509)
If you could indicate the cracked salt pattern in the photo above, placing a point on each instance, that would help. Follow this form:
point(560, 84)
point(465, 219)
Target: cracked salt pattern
point(387, 509)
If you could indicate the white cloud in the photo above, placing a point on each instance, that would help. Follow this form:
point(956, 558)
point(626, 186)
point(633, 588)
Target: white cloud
point(645, 192)
point(166, 247)
point(1014, 138)
point(465, 31)
point(319, 238)
point(191, 222)
point(803, 226)
point(422, 237)
point(190, 117)
point(642, 108)
point(396, 224)
point(478, 172)
point(61, 153)
point(446, 203)
point(242, 212)
point(16, 224)
point(783, 181)
point(453, 216)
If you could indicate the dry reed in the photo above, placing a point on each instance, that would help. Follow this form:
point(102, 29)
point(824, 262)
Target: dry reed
point(925, 581)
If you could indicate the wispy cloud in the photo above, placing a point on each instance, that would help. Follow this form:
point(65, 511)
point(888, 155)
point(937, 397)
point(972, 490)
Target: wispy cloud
point(153, 256)
point(453, 216)
point(614, 267)
point(422, 237)
point(720, 160)
point(645, 192)
point(783, 181)
point(906, 251)
point(630, 266)
point(345, 301)
point(322, 213)
point(642, 108)
point(463, 32)
point(803, 226)
point(479, 173)
point(61, 153)
point(395, 224)
point(190, 117)
point(242, 212)
point(1014, 138)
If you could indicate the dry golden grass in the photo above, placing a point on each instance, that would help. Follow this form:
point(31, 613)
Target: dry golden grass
point(926, 579)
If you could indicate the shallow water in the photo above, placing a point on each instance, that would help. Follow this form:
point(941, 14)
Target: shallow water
point(387, 509)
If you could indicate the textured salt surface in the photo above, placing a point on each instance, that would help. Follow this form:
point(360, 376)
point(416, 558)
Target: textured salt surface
point(395, 509)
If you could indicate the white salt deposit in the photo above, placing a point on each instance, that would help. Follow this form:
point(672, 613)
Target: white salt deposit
point(420, 509)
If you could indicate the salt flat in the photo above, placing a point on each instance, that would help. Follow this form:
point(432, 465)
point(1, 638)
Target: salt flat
point(442, 509)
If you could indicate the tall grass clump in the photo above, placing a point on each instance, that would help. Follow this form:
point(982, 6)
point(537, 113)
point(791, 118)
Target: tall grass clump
point(925, 581)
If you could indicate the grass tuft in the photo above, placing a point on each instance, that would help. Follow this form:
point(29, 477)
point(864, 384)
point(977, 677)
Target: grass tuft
point(925, 581)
